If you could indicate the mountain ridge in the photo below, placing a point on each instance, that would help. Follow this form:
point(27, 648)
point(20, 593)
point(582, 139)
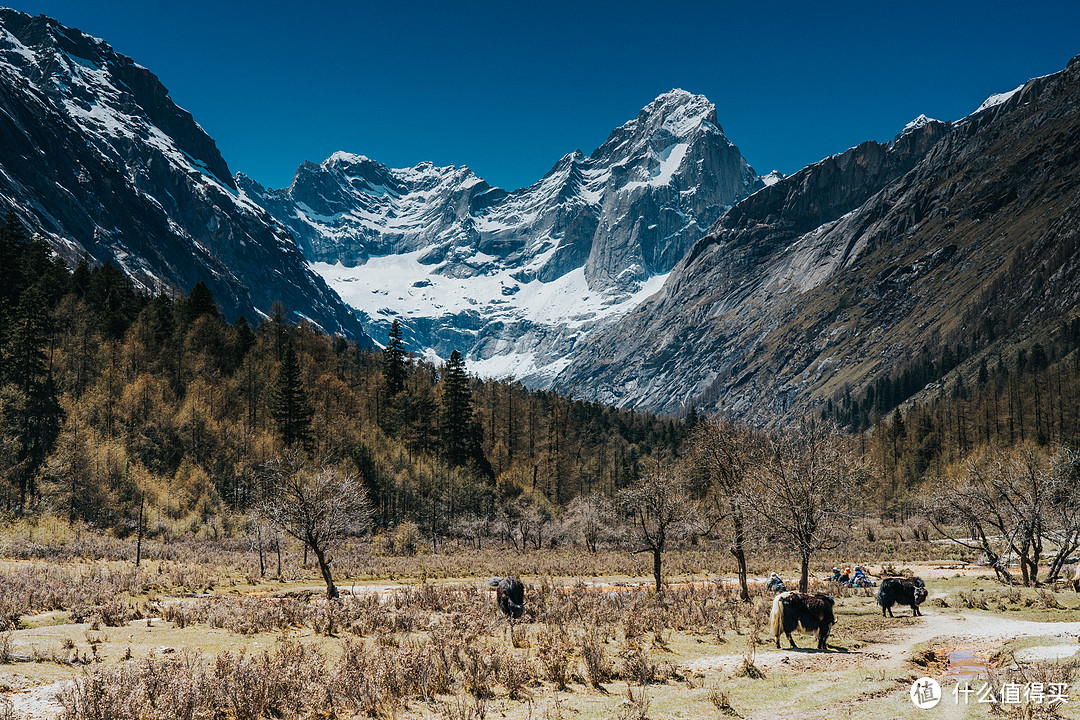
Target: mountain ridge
point(121, 174)
point(820, 282)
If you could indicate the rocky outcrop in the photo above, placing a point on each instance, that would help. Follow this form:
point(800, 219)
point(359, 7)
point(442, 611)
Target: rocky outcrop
point(838, 273)
point(95, 156)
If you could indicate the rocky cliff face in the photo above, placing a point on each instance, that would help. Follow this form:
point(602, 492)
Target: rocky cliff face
point(829, 277)
point(516, 279)
point(95, 156)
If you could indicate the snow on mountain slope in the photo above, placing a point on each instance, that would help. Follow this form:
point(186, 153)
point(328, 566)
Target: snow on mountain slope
point(997, 99)
point(96, 157)
point(516, 279)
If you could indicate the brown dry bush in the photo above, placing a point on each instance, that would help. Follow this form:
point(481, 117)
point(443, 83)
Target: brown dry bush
point(555, 652)
point(443, 651)
point(636, 706)
point(1048, 673)
point(367, 681)
point(41, 588)
point(287, 682)
point(637, 666)
point(516, 673)
point(114, 613)
point(480, 665)
point(6, 646)
point(242, 615)
point(598, 666)
point(972, 599)
point(406, 611)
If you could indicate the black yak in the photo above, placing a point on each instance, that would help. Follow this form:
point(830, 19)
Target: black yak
point(510, 595)
point(799, 611)
point(901, 591)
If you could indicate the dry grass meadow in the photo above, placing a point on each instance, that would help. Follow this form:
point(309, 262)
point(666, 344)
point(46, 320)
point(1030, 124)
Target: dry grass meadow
point(195, 632)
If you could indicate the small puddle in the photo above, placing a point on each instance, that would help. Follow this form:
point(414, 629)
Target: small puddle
point(965, 663)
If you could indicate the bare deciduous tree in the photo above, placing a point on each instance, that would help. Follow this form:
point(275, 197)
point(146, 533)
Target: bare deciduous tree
point(661, 512)
point(316, 503)
point(592, 517)
point(1062, 525)
point(803, 486)
point(1012, 502)
point(724, 453)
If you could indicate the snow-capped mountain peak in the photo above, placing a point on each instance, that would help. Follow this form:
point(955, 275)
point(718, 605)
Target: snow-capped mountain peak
point(480, 269)
point(678, 112)
point(772, 178)
point(917, 123)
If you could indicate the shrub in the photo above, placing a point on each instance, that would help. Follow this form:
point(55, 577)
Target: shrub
point(553, 649)
point(598, 666)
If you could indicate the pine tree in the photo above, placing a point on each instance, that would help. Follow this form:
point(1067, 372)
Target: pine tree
point(200, 302)
point(395, 361)
point(12, 242)
point(459, 432)
point(243, 340)
point(114, 299)
point(289, 404)
point(33, 414)
point(80, 278)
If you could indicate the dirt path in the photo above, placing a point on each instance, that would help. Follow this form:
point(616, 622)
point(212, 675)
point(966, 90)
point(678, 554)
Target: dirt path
point(975, 630)
point(37, 703)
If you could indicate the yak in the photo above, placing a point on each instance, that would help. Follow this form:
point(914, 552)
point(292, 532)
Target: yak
point(510, 595)
point(901, 591)
point(799, 611)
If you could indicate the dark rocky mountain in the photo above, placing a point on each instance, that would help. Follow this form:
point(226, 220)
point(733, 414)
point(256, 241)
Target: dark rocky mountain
point(517, 279)
point(96, 157)
point(963, 232)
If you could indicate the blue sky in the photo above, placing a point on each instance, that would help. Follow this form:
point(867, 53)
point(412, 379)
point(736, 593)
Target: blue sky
point(508, 88)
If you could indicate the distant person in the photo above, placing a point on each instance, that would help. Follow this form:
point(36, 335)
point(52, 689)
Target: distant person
point(775, 584)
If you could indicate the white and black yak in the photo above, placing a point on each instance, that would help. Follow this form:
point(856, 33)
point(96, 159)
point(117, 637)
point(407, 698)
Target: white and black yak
point(901, 591)
point(799, 611)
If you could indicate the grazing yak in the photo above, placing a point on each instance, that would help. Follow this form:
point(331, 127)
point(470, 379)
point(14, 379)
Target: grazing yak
point(901, 591)
point(510, 595)
point(799, 611)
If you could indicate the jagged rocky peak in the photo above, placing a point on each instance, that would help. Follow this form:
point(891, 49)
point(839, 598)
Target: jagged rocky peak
point(917, 123)
point(526, 273)
point(360, 172)
point(676, 114)
point(833, 277)
point(657, 140)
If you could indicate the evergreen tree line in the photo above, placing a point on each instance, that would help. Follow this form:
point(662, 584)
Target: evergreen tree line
point(862, 412)
point(1034, 397)
point(130, 411)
